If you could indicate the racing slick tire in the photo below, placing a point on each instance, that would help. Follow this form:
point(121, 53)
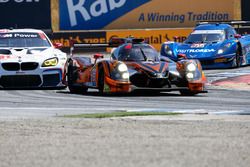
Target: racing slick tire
point(188, 93)
point(72, 76)
point(101, 80)
point(237, 62)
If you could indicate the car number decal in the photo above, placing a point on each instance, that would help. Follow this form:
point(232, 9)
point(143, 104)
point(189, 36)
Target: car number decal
point(198, 45)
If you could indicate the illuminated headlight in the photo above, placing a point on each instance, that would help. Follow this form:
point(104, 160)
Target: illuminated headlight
point(190, 75)
point(122, 67)
point(191, 67)
point(125, 75)
point(220, 51)
point(50, 62)
point(169, 52)
point(224, 48)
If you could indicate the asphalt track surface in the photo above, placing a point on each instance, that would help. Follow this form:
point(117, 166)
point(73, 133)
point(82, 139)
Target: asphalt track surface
point(32, 133)
point(51, 103)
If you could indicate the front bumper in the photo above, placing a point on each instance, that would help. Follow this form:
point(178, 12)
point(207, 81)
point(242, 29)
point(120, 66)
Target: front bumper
point(113, 86)
point(225, 61)
point(40, 78)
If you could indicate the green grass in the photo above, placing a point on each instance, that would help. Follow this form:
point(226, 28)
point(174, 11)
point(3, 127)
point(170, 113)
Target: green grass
point(119, 114)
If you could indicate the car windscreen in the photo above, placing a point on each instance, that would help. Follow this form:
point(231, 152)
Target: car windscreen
point(205, 38)
point(138, 52)
point(23, 40)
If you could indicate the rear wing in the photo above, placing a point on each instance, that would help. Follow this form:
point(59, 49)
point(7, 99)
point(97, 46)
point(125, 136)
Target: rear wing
point(114, 42)
point(237, 24)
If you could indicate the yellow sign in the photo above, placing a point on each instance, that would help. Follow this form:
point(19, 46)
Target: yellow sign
point(154, 37)
point(176, 13)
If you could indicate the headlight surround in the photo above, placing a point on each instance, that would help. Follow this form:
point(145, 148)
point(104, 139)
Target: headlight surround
point(50, 62)
point(120, 72)
point(224, 48)
point(192, 71)
point(168, 51)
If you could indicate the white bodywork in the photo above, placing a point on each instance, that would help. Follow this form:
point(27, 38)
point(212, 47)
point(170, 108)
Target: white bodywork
point(23, 66)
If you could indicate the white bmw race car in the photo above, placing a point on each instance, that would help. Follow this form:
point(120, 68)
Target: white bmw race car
point(28, 59)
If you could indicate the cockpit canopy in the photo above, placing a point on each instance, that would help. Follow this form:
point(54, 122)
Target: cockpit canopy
point(206, 36)
point(135, 52)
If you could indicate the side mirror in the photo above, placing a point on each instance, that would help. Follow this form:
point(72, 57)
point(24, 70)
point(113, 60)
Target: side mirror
point(98, 56)
point(58, 45)
point(181, 56)
point(237, 36)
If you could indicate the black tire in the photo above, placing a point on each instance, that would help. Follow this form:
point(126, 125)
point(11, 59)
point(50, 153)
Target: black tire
point(188, 93)
point(71, 77)
point(101, 80)
point(237, 57)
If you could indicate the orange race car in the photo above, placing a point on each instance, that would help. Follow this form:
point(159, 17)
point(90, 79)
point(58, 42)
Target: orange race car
point(133, 65)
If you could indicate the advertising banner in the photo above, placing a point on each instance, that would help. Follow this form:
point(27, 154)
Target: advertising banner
point(138, 14)
point(154, 37)
point(79, 37)
point(25, 14)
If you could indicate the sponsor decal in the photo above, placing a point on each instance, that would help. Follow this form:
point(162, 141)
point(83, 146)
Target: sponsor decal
point(93, 14)
point(193, 56)
point(65, 38)
point(208, 32)
point(19, 35)
point(2, 57)
point(195, 50)
point(6, 35)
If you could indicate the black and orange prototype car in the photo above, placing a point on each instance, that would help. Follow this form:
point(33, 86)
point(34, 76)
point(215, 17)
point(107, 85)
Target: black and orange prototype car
point(133, 65)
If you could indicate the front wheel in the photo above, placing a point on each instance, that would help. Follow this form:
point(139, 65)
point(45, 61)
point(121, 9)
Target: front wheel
point(237, 62)
point(101, 80)
point(72, 76)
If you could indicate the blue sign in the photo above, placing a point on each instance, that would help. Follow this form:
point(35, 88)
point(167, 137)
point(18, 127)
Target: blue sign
point(25, 14)
point(93, 14)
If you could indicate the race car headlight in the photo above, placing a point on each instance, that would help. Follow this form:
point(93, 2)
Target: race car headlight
point(125, 75)
point(122, 67)
point(224, 48)
point(50, 62)
point(190, 75)
point(191, 67)
point(120, 72)
point(220, 51)
point(168, 51)
point(192, 71)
